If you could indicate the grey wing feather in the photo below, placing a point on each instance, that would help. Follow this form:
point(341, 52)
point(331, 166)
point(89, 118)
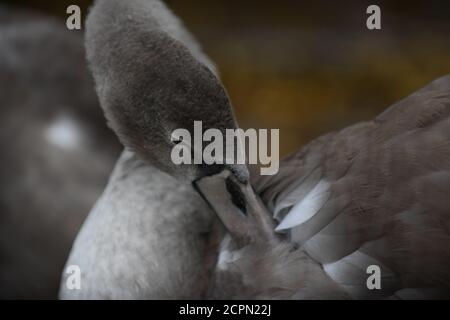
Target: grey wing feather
point(389, 182)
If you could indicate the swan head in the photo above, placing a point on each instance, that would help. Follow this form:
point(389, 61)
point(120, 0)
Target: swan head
point(152, 80)
point(150, 84)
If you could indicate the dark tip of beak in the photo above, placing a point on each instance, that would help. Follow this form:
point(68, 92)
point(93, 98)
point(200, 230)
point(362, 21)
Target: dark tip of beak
point(236, 195)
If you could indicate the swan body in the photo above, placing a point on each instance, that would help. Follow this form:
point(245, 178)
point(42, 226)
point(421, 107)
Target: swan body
point(371, 194)
point(146, 238)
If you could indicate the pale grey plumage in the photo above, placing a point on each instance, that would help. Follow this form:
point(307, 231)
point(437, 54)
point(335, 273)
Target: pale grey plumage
point(148, 237)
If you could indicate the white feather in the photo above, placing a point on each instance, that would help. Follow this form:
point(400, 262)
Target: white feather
point(307, 207)
point(351, 273)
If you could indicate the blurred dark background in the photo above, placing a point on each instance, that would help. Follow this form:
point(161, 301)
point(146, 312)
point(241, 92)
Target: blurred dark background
point(309, 67)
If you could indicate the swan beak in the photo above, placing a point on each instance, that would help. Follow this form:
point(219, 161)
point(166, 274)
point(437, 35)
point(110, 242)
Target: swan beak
point(238, 207)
